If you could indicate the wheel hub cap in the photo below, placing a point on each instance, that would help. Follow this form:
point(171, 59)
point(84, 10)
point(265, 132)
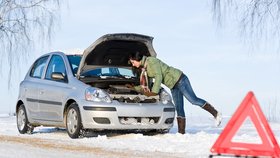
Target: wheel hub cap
point(21, 120)
point(72, 121)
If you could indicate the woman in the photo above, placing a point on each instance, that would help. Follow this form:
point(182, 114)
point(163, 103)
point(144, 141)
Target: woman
point(174, 79)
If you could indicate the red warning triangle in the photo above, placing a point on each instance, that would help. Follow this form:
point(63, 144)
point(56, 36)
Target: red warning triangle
point(248, 108)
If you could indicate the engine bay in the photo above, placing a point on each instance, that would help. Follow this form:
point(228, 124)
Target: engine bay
point(118, 91)
point(127, 95)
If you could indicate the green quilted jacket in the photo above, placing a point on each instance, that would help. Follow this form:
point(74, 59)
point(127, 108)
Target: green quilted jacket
point(161, 72)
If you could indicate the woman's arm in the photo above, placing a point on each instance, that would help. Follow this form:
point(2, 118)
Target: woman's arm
point(153, 66)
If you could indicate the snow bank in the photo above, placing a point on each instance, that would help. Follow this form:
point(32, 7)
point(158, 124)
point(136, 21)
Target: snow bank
point(199, 138)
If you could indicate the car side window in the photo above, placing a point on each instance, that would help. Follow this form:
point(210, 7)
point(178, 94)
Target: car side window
point(38, 67)
point(56, 64)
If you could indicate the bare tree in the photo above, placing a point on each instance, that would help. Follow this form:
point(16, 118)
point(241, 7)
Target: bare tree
point(258, 19)
point(23, 22)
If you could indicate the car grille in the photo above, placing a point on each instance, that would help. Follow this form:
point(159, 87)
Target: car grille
point(138, 120)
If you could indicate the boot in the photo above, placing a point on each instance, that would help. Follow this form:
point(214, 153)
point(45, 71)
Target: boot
point(181, 124)
point(217, 115)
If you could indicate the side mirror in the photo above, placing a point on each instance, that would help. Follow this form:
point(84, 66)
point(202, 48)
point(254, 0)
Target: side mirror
point(58, 76)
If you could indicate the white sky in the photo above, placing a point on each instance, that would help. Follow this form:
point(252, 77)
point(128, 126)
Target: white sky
point(221, 68)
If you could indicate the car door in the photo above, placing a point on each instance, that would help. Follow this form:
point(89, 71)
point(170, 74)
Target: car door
point(31, 87)
point(52, 92)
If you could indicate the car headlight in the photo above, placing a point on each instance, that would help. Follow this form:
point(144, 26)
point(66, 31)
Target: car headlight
point(165, 97)
point(98, 95)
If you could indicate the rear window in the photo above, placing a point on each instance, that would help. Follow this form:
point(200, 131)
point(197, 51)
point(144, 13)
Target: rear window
point(39, 67)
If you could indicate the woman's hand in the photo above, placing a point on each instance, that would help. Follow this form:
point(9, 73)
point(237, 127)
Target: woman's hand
point(148, 94)
point(128, 85)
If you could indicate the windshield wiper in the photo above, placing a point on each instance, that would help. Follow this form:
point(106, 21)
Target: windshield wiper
point(124, 76)
point(87, 76)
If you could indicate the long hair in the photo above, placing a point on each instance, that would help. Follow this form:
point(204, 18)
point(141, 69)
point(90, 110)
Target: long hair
point(138, 57)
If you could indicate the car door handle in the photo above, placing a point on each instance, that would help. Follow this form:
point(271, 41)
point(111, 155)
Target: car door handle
point(41, 92)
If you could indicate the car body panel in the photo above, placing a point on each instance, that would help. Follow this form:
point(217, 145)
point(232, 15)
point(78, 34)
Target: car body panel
point(51, 97)
point(128, 111)
point(30, 91)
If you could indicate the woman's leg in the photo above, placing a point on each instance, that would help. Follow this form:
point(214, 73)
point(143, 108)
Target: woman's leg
point(179, 105)
point(185, 87)
point(178, 101)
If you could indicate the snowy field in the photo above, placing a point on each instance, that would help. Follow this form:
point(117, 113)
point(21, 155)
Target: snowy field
point(53, 142)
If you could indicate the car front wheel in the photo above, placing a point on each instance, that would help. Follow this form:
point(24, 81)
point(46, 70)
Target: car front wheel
point(73, 121)
point(22, 121)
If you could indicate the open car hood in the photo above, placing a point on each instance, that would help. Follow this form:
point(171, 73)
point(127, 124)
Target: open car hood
point(113, 50)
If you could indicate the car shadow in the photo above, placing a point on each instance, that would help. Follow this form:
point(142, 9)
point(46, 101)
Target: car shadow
point(42, 130)
point(116, 133)
point(94, 133)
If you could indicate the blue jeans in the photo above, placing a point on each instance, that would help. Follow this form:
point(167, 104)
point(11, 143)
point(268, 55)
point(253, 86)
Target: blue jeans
point(183, 88)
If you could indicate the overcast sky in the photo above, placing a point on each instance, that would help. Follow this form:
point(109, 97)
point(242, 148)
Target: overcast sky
point(221, 68)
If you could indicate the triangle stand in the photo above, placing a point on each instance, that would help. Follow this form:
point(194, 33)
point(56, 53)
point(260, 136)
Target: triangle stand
point(248, 108)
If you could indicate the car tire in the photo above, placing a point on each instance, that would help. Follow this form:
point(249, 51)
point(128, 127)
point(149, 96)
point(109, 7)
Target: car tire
point(22, 121)
point(73, 121)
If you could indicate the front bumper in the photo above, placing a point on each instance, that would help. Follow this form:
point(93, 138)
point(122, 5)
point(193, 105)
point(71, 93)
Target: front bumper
point(127, 116)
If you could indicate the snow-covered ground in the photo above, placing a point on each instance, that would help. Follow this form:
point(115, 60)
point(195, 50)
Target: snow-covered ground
point(50, 142)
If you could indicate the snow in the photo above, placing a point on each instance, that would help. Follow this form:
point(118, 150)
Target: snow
point(49, 141)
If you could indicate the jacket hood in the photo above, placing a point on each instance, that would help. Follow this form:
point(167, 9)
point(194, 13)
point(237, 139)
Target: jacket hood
point(113, 50)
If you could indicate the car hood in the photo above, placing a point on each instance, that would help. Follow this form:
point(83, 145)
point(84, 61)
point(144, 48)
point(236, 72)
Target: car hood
point(113, 50)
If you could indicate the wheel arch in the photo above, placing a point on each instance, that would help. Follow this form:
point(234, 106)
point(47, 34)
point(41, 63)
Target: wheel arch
point(68, 103)
point(19, 102)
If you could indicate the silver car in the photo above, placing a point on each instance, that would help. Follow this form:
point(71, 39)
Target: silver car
point(88, 92)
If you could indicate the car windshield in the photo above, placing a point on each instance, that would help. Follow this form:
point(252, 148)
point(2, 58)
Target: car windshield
point(74, 61)
point(105, 72)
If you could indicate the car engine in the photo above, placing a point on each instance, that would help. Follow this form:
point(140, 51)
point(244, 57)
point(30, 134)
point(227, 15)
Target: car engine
point(128, 95)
